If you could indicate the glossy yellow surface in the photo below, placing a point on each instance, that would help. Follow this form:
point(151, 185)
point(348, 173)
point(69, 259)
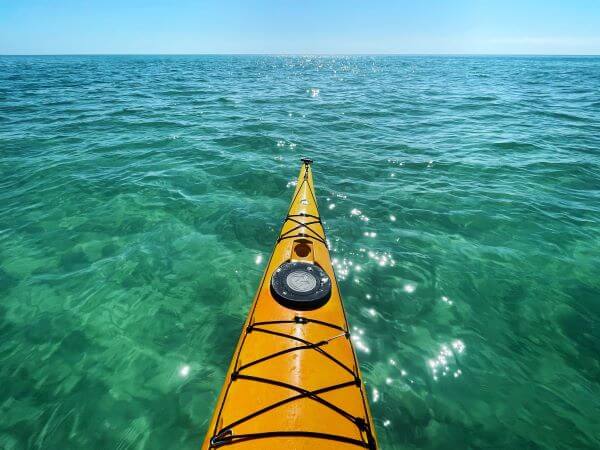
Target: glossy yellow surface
point(308, 415)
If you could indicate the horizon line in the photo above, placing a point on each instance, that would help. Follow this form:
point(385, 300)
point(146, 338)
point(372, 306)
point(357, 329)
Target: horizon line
point(306, 54)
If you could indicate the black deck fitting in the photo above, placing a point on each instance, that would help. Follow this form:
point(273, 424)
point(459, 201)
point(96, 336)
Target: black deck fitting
point(307, 161)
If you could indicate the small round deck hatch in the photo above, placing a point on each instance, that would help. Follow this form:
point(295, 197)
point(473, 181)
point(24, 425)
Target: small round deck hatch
point(300, 285)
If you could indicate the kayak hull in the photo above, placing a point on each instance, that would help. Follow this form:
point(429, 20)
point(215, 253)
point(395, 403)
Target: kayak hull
point(294, 380)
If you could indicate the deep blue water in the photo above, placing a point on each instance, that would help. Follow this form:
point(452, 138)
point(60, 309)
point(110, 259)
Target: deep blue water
point(140, 197)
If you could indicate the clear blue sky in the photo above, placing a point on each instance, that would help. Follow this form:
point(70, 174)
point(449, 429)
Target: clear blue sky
point(300, 26)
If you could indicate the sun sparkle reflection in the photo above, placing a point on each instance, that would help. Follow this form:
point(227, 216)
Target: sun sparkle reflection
point(409, 288)
point(184, 371)
point(445, 362)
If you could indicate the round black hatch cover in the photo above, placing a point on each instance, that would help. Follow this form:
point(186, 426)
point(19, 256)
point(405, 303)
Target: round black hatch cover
point(300, 285)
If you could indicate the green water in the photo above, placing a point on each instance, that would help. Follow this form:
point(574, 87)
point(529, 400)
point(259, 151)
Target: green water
point(140, 198)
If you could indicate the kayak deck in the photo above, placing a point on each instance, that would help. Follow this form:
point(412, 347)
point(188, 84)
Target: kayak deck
point(294, 381)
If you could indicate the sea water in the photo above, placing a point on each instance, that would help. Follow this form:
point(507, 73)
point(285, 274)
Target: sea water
point(140, 198)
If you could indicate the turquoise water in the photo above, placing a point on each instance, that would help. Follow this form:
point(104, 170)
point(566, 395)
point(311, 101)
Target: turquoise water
point(140, 198)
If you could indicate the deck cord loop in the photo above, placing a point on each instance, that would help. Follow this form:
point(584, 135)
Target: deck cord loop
point(292, 217)
point(226, 436)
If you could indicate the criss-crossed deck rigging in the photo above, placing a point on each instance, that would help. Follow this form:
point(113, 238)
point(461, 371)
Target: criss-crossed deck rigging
point(226, 434)
point(294, 378)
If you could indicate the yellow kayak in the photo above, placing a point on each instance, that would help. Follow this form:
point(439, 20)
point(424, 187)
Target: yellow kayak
point(294, 381)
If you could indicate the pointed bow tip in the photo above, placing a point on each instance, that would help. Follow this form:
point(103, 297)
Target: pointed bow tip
point(306, 161)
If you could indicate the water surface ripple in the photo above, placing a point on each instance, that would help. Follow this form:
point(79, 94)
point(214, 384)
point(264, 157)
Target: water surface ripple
point(140, 197)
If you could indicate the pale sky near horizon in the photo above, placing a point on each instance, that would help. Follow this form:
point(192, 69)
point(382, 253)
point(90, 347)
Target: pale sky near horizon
point(294, 26)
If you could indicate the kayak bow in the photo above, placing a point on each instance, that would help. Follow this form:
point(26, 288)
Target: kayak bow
point(294, 381)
